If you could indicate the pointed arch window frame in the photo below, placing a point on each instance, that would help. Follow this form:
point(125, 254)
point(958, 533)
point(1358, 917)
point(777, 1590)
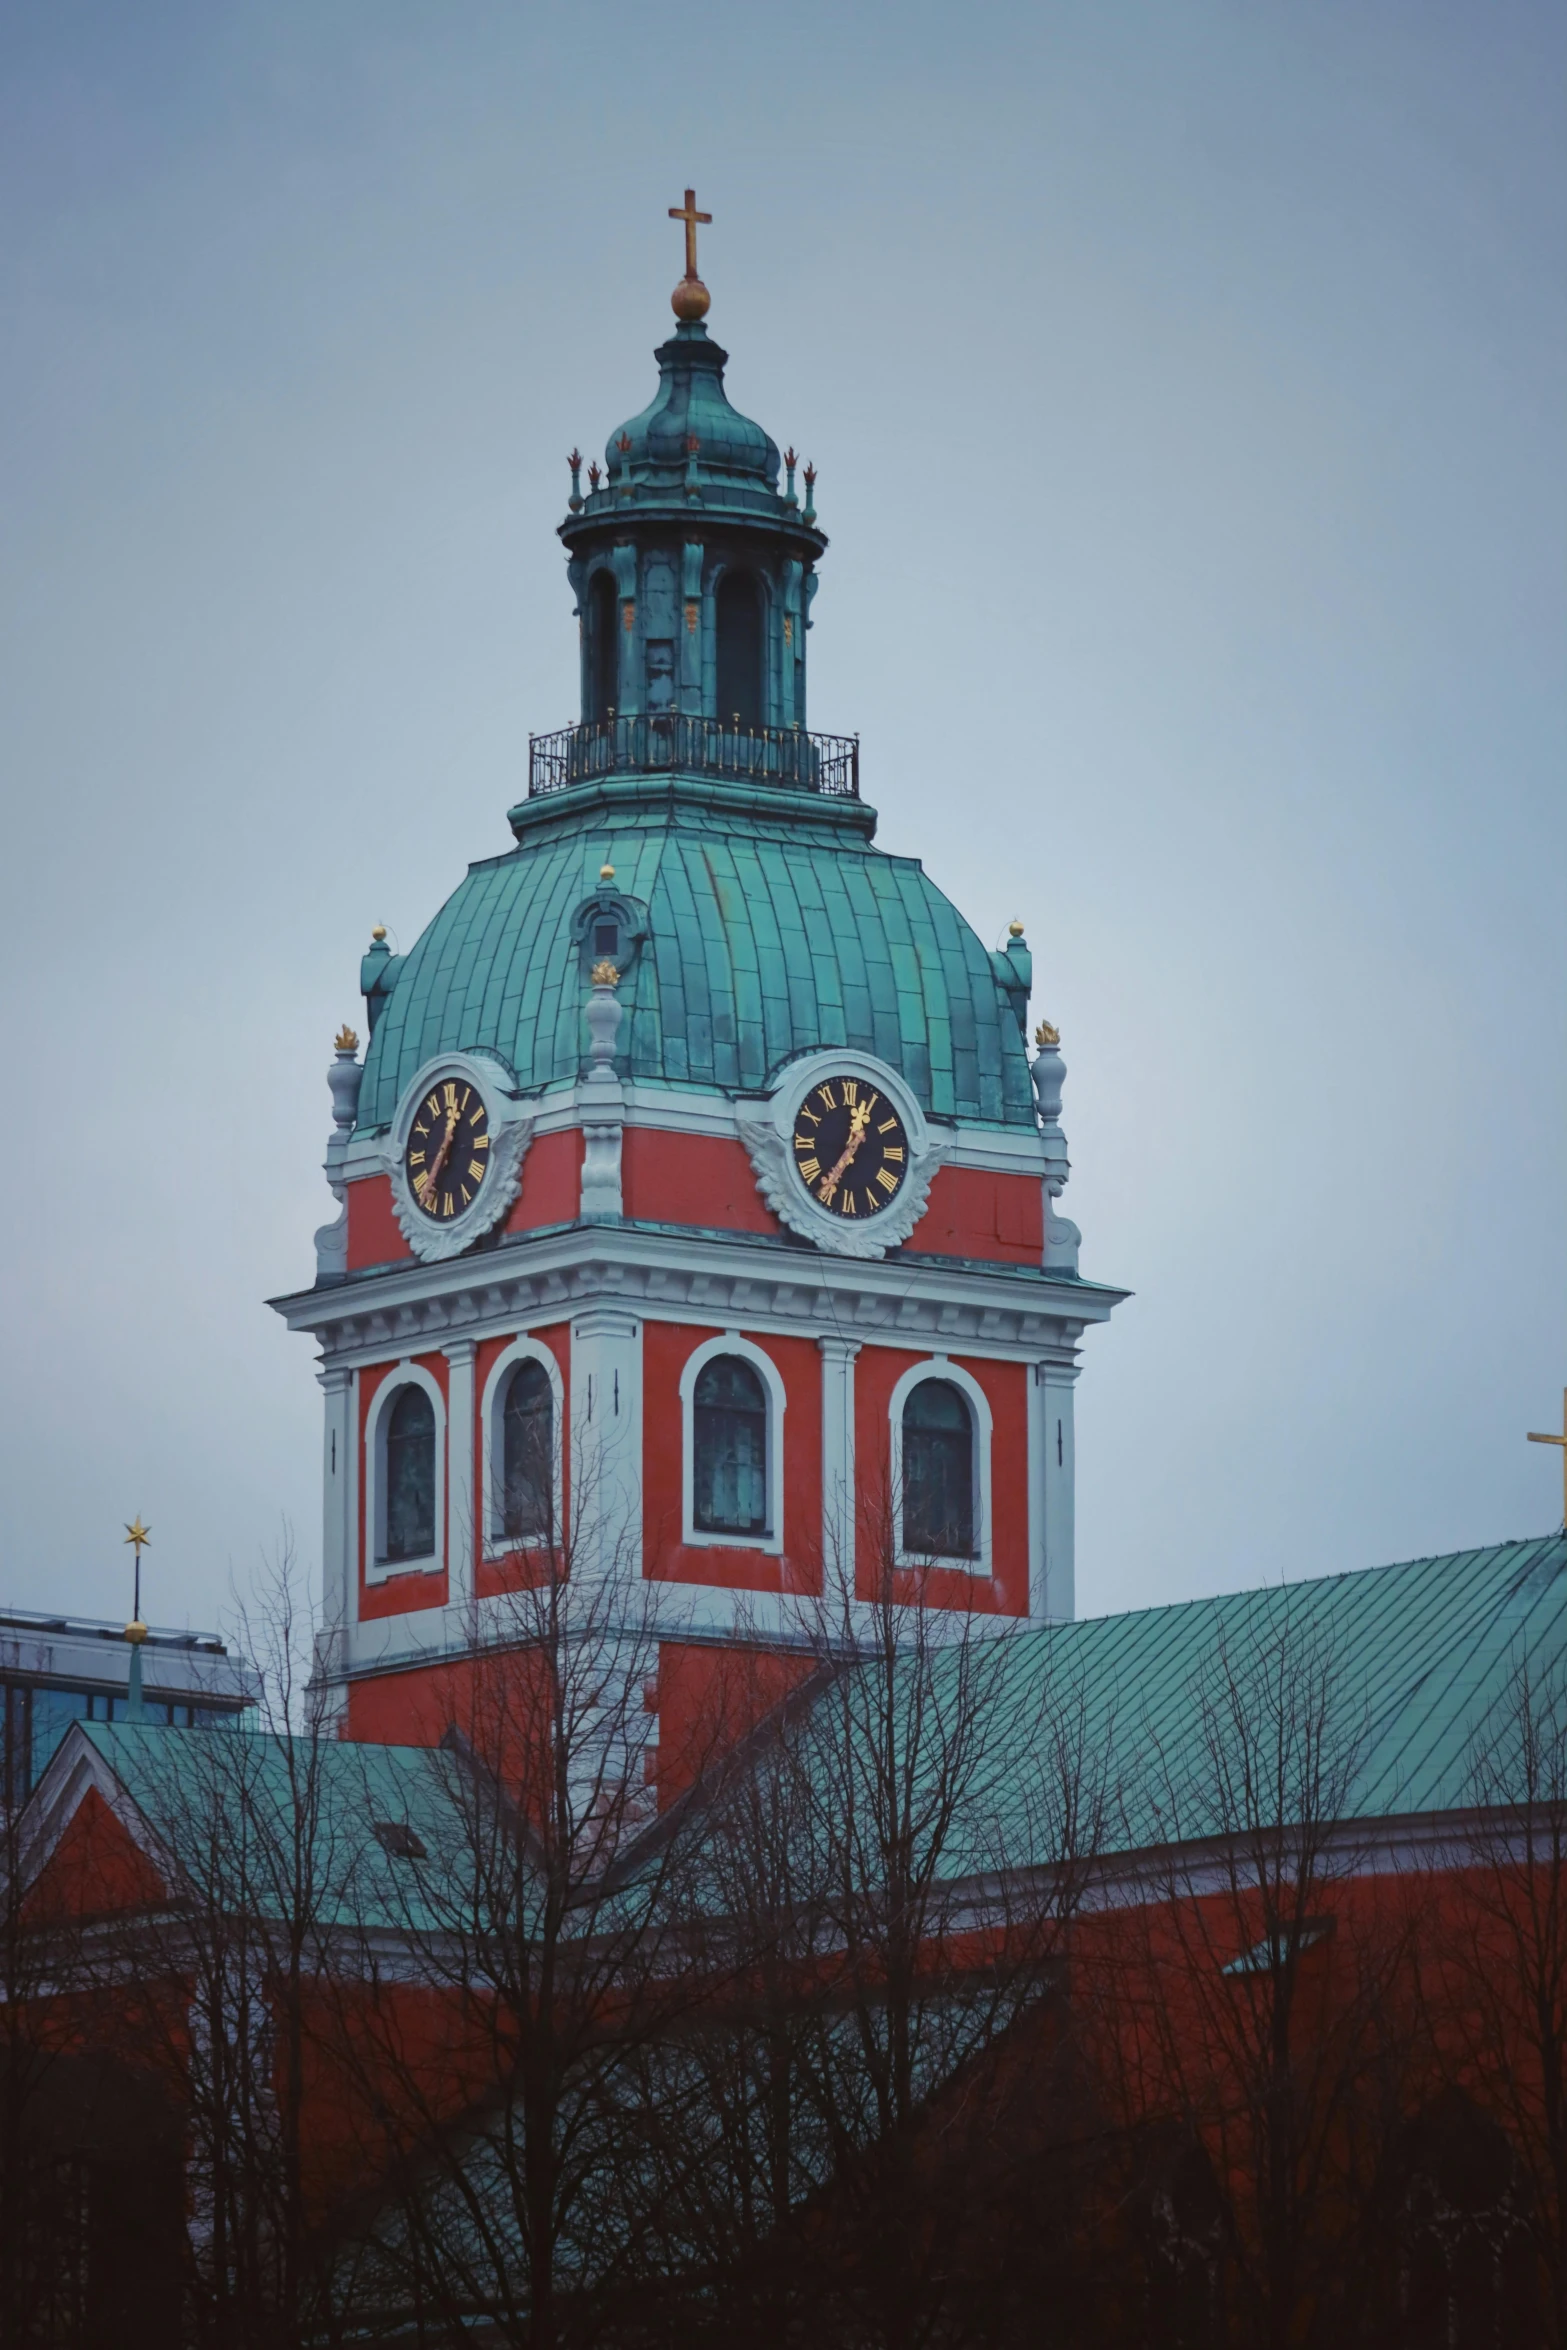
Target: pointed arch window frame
point(730, 1342)
point(942, 1367)
point(378, 1568)
point(498, 1544)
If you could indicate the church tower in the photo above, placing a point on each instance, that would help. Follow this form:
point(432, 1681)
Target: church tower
point(695, 1136)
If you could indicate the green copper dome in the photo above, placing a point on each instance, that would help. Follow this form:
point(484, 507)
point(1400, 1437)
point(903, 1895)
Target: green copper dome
point(753, 932)
point(690, 417)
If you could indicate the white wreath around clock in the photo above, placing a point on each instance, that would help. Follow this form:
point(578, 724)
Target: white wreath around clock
point(511, 1131)
point(767, 1130)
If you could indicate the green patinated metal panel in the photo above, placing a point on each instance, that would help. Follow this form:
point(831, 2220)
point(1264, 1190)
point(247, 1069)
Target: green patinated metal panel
point(767, 939)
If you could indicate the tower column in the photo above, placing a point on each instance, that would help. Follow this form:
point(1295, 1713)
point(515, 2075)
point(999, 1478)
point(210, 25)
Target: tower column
point(461, 1515)
point(691, 629)
point(1051, 1509)
point(838, 1510)
point(604, 1465)
point(337, 1491)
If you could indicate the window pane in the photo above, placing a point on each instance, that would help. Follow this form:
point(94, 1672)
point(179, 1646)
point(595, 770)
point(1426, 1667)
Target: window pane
point(938, 1472)
point(410, 1476)
point(528, 1455)
point(729, 1449)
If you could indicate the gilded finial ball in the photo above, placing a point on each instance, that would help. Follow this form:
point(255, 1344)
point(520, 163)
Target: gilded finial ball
point(379, 931)
point(606, 873)
point(136, 1632)
point(1014, 930)
point(690, 300)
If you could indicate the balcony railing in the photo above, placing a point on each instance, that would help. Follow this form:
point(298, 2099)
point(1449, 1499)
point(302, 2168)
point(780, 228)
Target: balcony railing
point(665, 739)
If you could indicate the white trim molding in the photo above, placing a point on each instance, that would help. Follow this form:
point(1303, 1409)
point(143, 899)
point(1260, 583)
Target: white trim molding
point(731, 1343)
point(511, 1125)
point(497, 1543)
point(767, 1130)
point(942, 1367)
point(378, 1567)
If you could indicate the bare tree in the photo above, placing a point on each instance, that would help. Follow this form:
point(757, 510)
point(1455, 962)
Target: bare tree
point(1497, 1973)
point(886, 1878)
point(1251, 2034)
point(218, 1979)
point(538, 1921)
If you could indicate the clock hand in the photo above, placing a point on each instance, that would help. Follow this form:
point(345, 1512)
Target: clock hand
point(859, 1120)
point(440, 1158)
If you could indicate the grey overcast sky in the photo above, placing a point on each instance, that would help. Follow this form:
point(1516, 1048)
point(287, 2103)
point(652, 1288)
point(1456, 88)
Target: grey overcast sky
point(1187, 384)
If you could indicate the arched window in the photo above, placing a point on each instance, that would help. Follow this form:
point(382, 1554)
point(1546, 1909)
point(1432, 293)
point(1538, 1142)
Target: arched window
point(603, 649)
point(739, 650)
point(938, 1472)
point(729, 1449)
point(527, 1509)
point(410, 1476)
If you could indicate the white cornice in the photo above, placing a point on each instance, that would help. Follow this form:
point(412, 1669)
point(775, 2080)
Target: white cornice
point(1000, 1311)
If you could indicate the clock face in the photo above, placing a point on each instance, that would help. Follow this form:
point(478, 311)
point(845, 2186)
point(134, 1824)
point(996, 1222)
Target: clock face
point(448, 1148)
point(851, 1150)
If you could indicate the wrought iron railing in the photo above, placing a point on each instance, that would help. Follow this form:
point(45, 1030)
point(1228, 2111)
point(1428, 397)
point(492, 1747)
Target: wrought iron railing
point(659, 740)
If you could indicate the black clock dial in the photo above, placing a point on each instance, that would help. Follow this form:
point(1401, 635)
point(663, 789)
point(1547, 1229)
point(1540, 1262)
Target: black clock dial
point(448, 1149)
point(851, 1150)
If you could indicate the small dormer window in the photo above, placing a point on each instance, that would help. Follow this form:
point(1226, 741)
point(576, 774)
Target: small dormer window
point(606, 940)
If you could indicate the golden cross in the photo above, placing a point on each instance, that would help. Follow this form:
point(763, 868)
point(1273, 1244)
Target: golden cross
point(1534, 1438)
point(690, 215)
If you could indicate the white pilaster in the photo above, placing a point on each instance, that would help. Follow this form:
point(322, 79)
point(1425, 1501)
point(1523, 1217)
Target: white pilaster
point(338, 1579)
point(1051, 1509)
point(604, 1504)
point(838, 1511)
point(603, 1102)
point(461, 1529)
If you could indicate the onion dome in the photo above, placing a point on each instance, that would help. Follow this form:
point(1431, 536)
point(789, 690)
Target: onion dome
point(691, 436)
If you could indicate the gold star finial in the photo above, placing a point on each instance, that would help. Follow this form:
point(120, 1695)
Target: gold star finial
point(139, 1534)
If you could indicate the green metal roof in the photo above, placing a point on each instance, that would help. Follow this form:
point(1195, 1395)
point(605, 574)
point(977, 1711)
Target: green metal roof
point(173, 1776)
point(1417, 1657)
point(775, 927)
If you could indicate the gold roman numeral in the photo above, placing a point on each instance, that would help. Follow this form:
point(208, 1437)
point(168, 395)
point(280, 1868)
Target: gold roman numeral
point(847, 1197)
point(447, 1204)
point(433, 1105)
point(810, 1169)
point(481, 1142)
point(476, 1170)
point(887, 1126)
point(467, 1199)
point(826, 1096)
point(889, 1152)
point(416, 1158)
point(851, 1092)
point(450, 1091)
point(886, 1178)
